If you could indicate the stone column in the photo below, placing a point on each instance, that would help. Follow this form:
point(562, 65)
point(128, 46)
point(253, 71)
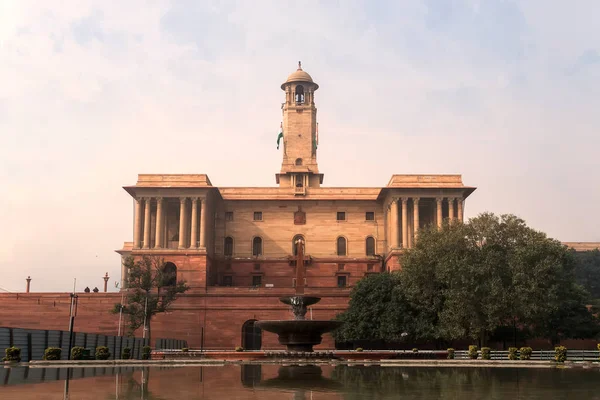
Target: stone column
point(404, 222)
point(182, 222)
point(451, 208)
point(158, 241)
point(147, 224)
point(137, 225)
point(416, 217)
point(439, 218)
point(203, 223)
point(106, 278)
point(28, 284)
point(459, 203)
point(394, 223)
point(194, 221)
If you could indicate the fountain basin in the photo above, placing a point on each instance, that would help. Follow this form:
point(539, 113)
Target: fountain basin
point(299, 335)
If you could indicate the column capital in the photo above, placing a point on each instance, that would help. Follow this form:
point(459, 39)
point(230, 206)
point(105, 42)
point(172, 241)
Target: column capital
point(159, 199)
point(182, 199)
point(195, 199)
point(439, 200)
point(450, 199)
point(404, 200)
point(416, 200)
point(394, 199)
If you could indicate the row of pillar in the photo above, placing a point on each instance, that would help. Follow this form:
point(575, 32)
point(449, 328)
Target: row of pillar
point(142, 228)
point(403, 201)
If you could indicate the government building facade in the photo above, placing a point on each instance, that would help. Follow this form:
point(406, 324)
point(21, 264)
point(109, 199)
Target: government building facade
point(234, 246)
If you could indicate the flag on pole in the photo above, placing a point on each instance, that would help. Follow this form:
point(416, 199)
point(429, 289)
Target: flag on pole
point(316, 140)
point(280, 136)
point(317, 133)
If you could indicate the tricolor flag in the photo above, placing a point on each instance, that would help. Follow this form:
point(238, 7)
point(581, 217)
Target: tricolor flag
point(316, 141)
point(280, 136)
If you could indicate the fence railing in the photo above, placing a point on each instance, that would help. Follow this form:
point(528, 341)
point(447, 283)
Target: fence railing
point(537, 355)
point(33, 342)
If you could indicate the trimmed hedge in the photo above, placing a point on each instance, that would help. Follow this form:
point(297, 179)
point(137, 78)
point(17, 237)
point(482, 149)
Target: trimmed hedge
point(52, 353)
point(13, 354)
point(472, 352)
point(560, 354)
point(512, 353)
point(486, 353)
point(526, 353)
point(77, 353)
point(146, 351)
point(450, 353)
point(126, 353)
point(102, 353)
point(239, 348)
point(359, 349)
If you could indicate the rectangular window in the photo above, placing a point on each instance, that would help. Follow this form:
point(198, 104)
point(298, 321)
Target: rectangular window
point(369, 267)
point(341, 267)
point(258, 215)
point(341, 216)
point(227, 280)
point(341, 281)
point(370, 216)
point(256, 280)
point(257, 267)
point(228, 215)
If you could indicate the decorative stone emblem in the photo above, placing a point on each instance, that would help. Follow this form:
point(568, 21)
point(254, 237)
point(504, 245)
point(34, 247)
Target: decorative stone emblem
point(299, 217)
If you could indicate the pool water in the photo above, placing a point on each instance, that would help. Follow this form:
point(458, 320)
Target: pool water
point(311, 382)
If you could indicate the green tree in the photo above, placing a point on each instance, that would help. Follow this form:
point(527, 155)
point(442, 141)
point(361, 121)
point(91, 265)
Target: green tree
point(150, 290)
point(587, 271)
point(377, 310)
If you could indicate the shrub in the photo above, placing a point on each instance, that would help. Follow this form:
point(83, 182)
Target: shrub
point(185, 349)
point(598, 346)
point(526, 353)
point(146, 351)
point(359, 349)
point(512, 353)
point(13, 354)
point(415, 350)
point(126, 353)
point(450, 353)
point(560, 354)
point(77, 353)
point(52, 353)
point(102, 353)
point(472, 352)
point(239, 348)
point(486, 353)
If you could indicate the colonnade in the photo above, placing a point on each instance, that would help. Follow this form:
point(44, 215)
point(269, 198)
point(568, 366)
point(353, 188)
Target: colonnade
point(188, 220)
point(400, 206)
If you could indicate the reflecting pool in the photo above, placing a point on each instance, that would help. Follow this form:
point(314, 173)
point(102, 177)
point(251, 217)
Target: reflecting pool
point(311, 382)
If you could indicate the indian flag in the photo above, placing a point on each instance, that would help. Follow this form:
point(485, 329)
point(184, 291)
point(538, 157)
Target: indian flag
point(316, 140)
point(280, 136)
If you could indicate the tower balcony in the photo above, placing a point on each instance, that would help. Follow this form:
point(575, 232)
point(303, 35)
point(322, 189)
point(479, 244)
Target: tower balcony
point(300, 191)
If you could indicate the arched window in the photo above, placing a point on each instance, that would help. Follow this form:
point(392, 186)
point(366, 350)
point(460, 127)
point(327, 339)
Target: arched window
point(341, 246)
point(257, 249)
point(228, 247)
point(370, 244)
point(295, 245)
point(169, 272)
point(299, 94)
point(298, 161)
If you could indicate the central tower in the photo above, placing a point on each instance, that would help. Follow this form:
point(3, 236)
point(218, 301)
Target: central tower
point(299, 168)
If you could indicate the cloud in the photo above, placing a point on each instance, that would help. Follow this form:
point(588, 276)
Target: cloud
point(94, 93)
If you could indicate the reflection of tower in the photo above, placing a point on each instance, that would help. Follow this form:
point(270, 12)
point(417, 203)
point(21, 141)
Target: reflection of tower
point(299, 167)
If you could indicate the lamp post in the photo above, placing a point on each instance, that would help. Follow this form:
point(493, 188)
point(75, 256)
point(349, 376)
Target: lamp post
point(72, 315)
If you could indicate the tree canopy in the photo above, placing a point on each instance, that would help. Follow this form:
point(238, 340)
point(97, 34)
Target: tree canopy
point(150, 290)
point(468, 280)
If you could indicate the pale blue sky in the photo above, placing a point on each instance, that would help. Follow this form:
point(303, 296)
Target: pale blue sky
point(94, 92)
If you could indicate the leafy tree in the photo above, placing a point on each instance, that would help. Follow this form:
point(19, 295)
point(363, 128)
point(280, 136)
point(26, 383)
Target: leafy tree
point(150, 291)
point(587, 271)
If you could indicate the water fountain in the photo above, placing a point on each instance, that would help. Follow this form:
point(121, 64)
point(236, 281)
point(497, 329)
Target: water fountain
point(299, 334)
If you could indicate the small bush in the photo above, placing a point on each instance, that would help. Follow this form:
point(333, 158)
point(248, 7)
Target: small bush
point(359, 349)
point(185, 349)
point(77, 353)
point(598, 346)
point(526, 353)
point(560, 354)
point(13, 354)
point(126, 353)
point(52, 353)
point(415, 350)
point(146, 351)
point(472, 352)
point(486, 353)
point(102, 353)
point(450, 353)
point(239, 348)
point(512, 353)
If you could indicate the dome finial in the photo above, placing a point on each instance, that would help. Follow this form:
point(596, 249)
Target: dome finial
point(299, 65)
